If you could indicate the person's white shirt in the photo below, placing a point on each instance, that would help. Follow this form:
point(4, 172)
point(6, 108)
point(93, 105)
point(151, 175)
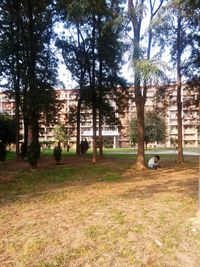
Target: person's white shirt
point(152, 161)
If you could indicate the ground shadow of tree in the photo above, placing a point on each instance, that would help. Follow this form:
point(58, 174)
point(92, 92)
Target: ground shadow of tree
point(23, 183)
point(179, 180)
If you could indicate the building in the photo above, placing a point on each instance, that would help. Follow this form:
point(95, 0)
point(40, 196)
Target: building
point(117, 136)
point(190, 121)
point(7, 105)
point(110, 134)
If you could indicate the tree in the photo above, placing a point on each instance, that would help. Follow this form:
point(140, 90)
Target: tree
point(136, 14)
point(155, 129)
point(57, 151)
point(96, 53)
point(10, 66)
point(3, 152)
point(60, 133)
point(74, 51)
point(110, 50)
point(133, 131)
point(40, 62)
point(177, 32)
point(192, 9)
point(192, 102)
point(7, 129)
point(28, 63)
point(104, 64)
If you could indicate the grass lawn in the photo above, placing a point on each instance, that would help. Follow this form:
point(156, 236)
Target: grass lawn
point(80, 214)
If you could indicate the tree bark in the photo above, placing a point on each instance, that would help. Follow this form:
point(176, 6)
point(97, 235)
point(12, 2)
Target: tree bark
point(94, 108)
point(78, 122)
point(100, 135)
point(100, 104)
point(136, 23)
point(136, 13)
point(94, 116)
point(26, 135)
point(198, 206)
point(34, 122)
point(15, 28)
point(179, 93)
point(81, 82)
point(17, 89)
point(140, 163)
point(179, 122)
point(140, 103)
point(35, 130)
point(198, 210)
point(17, 119)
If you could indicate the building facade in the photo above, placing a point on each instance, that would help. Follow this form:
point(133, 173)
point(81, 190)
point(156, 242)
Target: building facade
point(7, 105)
point(114, 136)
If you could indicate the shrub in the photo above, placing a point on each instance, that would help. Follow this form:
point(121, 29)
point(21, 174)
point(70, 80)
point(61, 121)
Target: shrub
point(7, 129)
point(57, 153)
point(2, 152)
point(33, 153)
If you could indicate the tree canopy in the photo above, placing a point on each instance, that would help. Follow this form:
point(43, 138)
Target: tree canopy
point(28, 63)
point(7, 129)
point(93, 53)
point(155, 129)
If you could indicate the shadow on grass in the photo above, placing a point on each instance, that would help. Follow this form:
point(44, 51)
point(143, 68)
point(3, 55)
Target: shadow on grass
point(25, 183)
point(17, 184)
point(182, 180)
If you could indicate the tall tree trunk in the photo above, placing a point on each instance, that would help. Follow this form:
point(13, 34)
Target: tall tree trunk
point(198, 103)
point(94, 107)
point(33, 88)
point(94, 120)
point(100, 102)
point(17, 119)
point(35, 130)
point(100, 134)
point(17, 89)
point(198, 206)
point(25, 135)
point(15, 28)
point(78, 115)
point(198, 210)
point(140, 163)
point(34, 122)
point(136, 19)
point(179, 122)
point(136, 12)
point(179, 93)
point(78, 124)
point(140, 103)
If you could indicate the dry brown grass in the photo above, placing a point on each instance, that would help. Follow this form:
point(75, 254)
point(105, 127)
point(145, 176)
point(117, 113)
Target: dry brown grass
point(103, 216)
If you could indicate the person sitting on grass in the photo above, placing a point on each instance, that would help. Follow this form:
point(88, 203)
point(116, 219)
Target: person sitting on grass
point(154, 162)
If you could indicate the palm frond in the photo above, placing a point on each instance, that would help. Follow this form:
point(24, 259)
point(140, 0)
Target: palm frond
point(150, 70)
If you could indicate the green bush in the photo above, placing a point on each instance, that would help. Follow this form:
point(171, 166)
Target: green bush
point(2, 152)
point(57, 154)
point(33, 153)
